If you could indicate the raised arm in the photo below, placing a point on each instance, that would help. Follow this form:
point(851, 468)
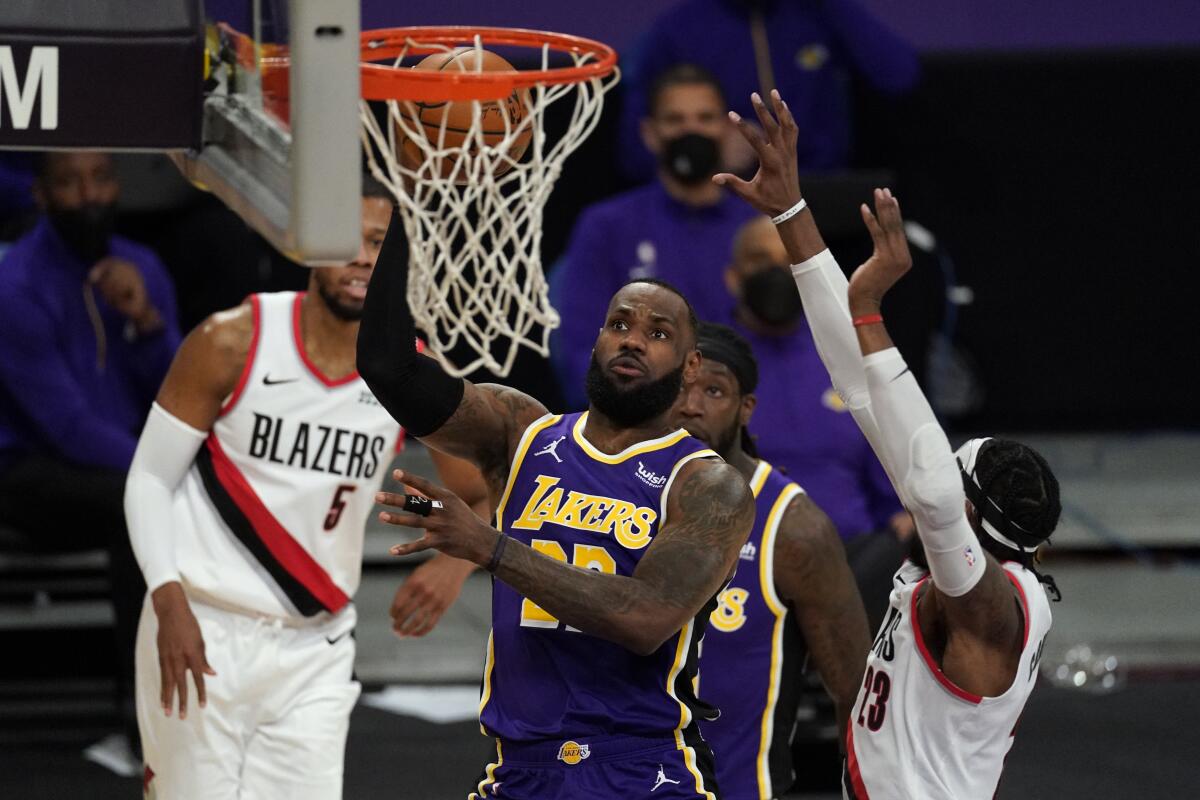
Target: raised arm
point(882, 393)
point(709, 515)
point(478, 423)
point(774, 190)
point(971, 590)
point(812, 576)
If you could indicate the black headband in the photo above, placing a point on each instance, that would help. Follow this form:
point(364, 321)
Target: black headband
point(743, 367)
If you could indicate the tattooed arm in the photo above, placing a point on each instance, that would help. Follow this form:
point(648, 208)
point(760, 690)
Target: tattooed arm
point(812, 576)
point(709, 515)
point(478, 423)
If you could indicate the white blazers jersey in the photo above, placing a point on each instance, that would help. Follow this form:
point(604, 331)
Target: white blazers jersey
point(914, 734)
point(271, 515)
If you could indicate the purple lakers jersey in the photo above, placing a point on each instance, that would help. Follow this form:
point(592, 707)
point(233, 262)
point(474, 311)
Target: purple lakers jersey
point(569, 501)
point(750, 659)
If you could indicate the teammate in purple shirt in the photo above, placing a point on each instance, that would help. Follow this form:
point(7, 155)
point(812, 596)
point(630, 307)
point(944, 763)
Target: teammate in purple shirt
point(617, 529)
point(792, 597)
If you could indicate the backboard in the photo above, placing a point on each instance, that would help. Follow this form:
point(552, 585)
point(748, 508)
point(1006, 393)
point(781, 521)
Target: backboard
point(257, 101)
point(280, 142)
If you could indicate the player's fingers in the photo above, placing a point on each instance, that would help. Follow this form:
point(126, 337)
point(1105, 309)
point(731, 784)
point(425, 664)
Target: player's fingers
point(181, 687)
point(787, 123)
point(421, 484)
point(405, 520)
point(393, 499)
point(877, 234)
point(416, 546)
point(765, 118)
point(403, 607)
point(197, 668)
point(427, 623)
point(168, 686)
point(750, 133)
point(735, 184)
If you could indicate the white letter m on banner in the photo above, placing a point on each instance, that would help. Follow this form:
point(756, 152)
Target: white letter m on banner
point(43, 74)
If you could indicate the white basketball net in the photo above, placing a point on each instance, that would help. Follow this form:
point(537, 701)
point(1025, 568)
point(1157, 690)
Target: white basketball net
point(475, 269)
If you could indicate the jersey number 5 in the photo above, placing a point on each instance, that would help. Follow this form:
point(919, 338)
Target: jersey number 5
point(879, 684)
point(337, 507)
point(585, 555)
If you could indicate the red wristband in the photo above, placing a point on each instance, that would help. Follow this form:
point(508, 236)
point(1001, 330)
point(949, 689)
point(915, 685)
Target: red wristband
point(867, 319)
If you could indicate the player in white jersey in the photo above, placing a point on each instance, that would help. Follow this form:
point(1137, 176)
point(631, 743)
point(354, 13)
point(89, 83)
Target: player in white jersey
point(246, 503)
point(953, 664)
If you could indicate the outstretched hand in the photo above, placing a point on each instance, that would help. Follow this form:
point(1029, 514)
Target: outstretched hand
point(890, 260)
point(776, 186)
point(453, 528)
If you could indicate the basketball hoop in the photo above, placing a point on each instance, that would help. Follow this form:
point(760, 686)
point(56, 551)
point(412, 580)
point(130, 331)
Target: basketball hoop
point(471, 198)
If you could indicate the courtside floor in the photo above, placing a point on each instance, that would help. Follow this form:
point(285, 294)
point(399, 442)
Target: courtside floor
point(1125, 559)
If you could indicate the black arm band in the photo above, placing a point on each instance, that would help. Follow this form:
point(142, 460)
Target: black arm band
point(413, 388)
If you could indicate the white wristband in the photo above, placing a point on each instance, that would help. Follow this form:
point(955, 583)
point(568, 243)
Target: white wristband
point(791, 212)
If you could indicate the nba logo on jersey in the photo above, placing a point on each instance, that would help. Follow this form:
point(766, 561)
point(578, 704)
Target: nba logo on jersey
point(969, 555)
point(572, 753)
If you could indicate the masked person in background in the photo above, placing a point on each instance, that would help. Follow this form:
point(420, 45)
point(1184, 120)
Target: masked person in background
point(677, 229)
point(800, 424)
point(87, 331)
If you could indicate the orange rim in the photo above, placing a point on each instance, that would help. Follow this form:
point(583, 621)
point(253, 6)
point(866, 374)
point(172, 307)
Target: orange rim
point(387, 82)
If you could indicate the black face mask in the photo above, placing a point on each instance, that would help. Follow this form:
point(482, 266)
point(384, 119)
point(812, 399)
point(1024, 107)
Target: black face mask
point(691, 158)
point(771, 296)
point(86, 230)
point(632, 407)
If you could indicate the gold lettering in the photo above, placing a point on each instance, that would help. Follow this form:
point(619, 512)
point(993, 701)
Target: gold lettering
point(572, 512)
point(595, 520)
point(533, 516)
point(639, 536)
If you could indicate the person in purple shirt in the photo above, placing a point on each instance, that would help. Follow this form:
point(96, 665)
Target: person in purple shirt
point(87, 331)
point(677, 229)
point(813, 49)
point(800, 424)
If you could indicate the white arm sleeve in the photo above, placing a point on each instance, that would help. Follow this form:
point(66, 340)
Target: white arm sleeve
point(898, 423)
point(918, 456)
point(823, 288)
point(164, 454)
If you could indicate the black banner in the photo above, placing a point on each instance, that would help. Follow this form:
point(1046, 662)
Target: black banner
point(88, 85)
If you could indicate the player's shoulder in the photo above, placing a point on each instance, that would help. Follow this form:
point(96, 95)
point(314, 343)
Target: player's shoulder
point(708, 482)
point(229, 333)
point(806, 533)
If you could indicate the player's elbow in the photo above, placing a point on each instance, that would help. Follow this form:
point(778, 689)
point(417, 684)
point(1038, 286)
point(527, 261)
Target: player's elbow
point(933, 484)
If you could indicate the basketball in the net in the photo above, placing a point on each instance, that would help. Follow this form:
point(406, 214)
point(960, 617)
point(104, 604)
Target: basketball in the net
point(457, 116)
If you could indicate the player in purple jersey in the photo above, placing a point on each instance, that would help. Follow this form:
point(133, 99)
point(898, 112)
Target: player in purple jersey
point(616, 530)
point(793, 565)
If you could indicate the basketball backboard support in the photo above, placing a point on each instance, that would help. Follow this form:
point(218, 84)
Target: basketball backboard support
point(280, 142)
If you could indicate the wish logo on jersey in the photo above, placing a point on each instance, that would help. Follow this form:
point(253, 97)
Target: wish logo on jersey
point(320, 448)
point(630, 524)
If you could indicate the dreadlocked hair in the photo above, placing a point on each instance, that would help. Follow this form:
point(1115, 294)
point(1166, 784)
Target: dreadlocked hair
point(748, 445)
point(1019, 480)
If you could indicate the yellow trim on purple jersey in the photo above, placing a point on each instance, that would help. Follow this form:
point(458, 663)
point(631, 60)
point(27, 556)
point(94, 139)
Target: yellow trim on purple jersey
point(766, 576)
point(635, 450)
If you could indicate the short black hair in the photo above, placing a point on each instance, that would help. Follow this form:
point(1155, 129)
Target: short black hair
point(373, 188)
point(681, 75)
point(693, 320)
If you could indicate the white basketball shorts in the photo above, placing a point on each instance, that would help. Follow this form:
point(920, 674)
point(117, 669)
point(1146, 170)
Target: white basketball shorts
point(276, 718)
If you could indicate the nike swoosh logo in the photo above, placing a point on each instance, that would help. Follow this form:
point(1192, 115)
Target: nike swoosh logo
point(901, 375)
point(337, 639)
point(268, 382)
